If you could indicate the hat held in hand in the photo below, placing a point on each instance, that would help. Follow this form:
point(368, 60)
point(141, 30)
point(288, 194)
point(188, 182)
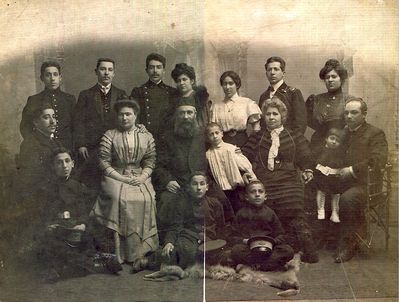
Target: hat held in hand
point(261, 244)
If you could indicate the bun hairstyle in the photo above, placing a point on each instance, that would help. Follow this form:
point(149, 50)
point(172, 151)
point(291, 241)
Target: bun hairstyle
point(334, 64)
point(183, 68)
point(126, 101)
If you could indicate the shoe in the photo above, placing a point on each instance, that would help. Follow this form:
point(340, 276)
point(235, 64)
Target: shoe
point(346, 253)
point(334, 217)
point(321, 214)
point(139, 265)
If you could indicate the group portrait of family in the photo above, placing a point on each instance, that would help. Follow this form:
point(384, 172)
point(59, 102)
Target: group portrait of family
point(163, 175)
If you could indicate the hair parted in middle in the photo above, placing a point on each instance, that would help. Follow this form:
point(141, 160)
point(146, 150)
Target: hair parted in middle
point(126, 101)
point(233, 75)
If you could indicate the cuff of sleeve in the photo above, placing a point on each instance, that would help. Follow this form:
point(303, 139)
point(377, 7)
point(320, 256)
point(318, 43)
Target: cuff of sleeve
point(308, 170)
point(352, 172)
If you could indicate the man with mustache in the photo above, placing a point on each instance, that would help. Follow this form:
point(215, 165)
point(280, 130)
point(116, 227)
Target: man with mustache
point(155, 97)
point(291, 96)
point(366, 146)
point(93, 116)
point(61, 102)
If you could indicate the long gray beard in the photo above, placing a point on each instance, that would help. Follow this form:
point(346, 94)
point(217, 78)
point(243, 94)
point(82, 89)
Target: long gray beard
point(186, 129)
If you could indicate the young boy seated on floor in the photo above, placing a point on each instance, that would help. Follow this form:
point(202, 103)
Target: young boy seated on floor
point(194, 219)
point(256, 223)
point(66, 245)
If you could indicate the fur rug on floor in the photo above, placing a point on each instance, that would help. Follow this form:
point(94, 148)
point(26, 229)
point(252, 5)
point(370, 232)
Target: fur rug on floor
point(286, 280)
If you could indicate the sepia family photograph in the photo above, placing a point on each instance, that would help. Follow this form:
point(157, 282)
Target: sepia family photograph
point(199, 150)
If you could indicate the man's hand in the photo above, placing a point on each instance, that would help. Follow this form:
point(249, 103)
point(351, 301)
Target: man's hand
point(173, 186)
point(83, 152)
point(167, 249)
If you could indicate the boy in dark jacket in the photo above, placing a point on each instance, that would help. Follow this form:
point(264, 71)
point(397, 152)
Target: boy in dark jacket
point(66, 243)
point(256, 219)
point(190, 221)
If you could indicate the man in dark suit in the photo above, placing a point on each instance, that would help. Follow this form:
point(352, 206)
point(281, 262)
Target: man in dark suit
point(292, 97)
point(366, 146)
point(94, 114)
point(61, 102)
point(155, 97)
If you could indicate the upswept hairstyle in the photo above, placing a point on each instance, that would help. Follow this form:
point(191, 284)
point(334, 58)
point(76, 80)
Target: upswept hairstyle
point(233, 75)
point(183, 68)
point(333, 64)
point(125, 101)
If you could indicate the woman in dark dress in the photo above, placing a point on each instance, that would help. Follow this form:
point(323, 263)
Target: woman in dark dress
point(276, 154)
point(326, 110)
point(185, 79)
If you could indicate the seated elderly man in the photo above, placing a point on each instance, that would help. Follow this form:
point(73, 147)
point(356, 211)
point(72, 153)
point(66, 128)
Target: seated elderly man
point(366, 146)
point(181, 151)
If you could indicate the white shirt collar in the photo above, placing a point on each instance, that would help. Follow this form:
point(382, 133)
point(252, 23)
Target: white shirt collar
point(278, 84)
point(108, 87)
point(157, 83)
point(233, 98)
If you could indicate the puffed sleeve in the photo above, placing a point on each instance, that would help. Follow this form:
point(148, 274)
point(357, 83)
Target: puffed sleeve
point(242, 161)
point(310, 102)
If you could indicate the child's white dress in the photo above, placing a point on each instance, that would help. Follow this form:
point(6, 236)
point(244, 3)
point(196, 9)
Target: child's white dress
point(226, 161)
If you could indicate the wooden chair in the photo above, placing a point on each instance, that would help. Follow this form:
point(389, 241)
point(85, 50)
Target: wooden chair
point(377, 204)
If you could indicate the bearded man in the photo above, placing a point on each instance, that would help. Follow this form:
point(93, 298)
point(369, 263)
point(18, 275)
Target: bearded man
point(181, 152)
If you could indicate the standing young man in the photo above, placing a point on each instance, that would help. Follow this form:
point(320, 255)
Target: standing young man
point(291, 96)
point(155, 97)
point(94, 114)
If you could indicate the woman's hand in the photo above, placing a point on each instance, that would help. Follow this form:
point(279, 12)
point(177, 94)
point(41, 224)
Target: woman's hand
point(167, 249)
point(173, 186)
point(248, 177)
point(137, 180)
point(307, 176)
